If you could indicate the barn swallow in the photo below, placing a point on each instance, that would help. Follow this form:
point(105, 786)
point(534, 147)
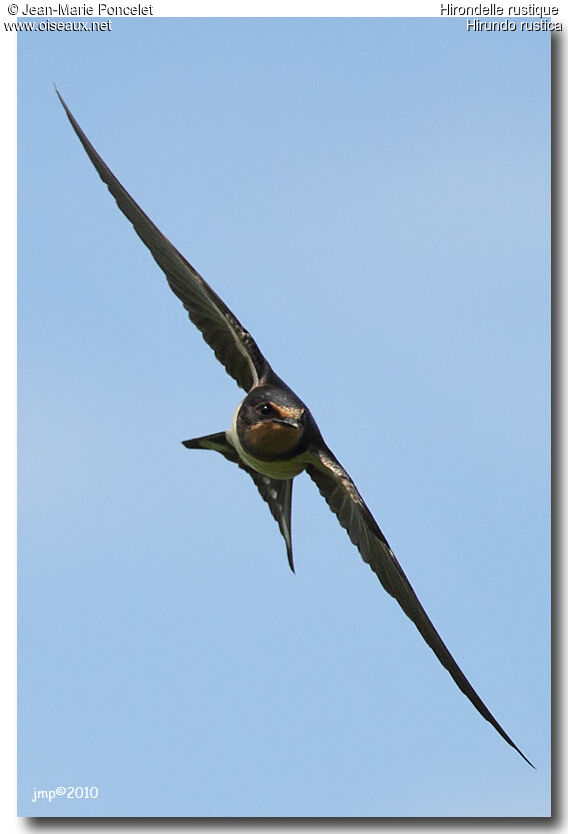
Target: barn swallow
point(273, 435)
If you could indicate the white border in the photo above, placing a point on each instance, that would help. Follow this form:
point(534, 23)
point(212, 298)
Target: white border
point(168, 8)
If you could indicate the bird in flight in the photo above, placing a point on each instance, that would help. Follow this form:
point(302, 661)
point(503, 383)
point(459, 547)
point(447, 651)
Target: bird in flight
point(273, 435)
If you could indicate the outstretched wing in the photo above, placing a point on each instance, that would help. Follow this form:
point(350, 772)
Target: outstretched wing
point(353, 514)
point(276, 493)
point(233, 346)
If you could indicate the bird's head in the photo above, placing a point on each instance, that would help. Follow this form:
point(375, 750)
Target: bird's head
point(272, 424)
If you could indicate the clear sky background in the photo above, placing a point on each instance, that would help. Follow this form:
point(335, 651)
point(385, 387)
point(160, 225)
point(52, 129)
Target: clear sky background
point(371, 198)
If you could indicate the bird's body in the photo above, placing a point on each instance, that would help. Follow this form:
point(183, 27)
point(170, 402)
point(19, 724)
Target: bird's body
point(273, 435)
point(270, 431)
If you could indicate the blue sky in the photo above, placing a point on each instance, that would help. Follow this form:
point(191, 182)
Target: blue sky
point(371, 198)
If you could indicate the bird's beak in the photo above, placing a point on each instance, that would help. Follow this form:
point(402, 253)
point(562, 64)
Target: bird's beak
point(292, 418)
point(292, 422)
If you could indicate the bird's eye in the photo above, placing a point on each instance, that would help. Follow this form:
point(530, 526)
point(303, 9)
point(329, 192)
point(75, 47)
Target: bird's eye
point(265, 409)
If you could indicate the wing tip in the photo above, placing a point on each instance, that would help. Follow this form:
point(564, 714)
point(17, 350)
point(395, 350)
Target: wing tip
point(522, 755)
point(60, 97)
